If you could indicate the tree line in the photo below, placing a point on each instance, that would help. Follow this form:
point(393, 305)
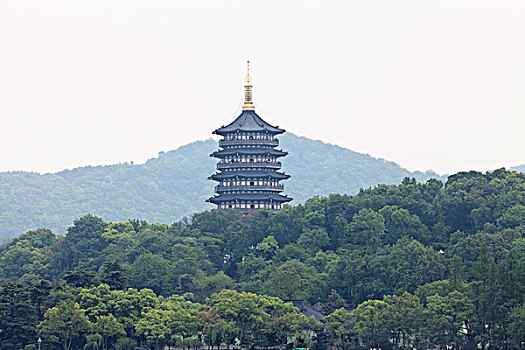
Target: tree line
point(409, 266)
point(165, 188)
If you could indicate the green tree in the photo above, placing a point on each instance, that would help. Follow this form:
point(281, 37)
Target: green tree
point(447, 317)
point(267, 247)
point(153, 325)
point(63, 323)
point(366, 229)
point(18, 316)
point(114, 274)
point(340, 325)
point(457, 273)
point(516, 325)
point(243, 308)
point(108, 327)
point(314, 240)
point(371, 323)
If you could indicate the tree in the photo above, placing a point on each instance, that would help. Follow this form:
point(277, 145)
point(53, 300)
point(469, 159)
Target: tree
point(243, 308)
point(18, 316)
point(313, 240)
point(403, 317)
point(340, 324)
point(447, 317)
point(335, 302)
point(108, 327)
point(457, 272)
point(63, 323)
point(366, 229)
point(153, 325)
point(85, 238)
point(295, 280)
point(113, 274)
point(399, 222)
point(516, 325)
point(267, 248)
point(370, 319)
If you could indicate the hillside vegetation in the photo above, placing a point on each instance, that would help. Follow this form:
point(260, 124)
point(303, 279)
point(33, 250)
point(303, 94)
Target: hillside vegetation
point(175, 184)
point(436, 265)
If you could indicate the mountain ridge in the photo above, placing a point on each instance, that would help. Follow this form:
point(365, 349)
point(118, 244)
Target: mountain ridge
point(174, 184)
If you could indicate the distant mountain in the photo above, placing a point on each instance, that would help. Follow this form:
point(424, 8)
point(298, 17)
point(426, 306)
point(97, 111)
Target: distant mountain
point(175, 184)
point(519, 168)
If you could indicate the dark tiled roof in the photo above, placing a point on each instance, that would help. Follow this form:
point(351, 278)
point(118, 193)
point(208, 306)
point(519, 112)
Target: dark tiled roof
point(248, 121)
point(277, 198)
point(307, 309)
point(244, 174)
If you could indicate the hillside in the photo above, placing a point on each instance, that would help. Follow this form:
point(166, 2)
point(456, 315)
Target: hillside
point(519, 168)
point(175, 184)
point(424, 257)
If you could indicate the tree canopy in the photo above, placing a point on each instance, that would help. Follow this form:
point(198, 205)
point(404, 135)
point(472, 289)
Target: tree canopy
point(412, 265)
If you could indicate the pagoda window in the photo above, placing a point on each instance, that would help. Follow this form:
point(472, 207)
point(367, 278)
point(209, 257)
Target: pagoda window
point(252, 183)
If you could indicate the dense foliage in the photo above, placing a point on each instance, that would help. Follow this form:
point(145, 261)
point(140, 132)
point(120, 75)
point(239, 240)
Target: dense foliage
point(416, 265)
point(175, 184)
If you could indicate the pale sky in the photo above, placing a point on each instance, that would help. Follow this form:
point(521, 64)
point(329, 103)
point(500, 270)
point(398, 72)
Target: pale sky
point(428, 84)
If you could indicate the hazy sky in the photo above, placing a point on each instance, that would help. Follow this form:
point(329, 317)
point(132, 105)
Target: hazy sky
point(428, 84)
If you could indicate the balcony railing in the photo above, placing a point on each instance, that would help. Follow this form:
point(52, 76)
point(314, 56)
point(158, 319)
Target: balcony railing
point(220, 188)
point(246, 165)
point(226, 143)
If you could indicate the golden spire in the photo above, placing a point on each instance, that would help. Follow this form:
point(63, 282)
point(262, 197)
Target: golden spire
point(248, 103)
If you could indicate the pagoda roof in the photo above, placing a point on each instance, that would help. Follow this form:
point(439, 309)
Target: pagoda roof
point(250, 197)
point(249, 151)
point(248, 121)
point(230, 174)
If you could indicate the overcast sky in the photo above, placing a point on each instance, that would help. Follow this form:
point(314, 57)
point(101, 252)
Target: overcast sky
point(428, 84)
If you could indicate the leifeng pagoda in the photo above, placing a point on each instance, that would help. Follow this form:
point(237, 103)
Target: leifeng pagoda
point(247, 173)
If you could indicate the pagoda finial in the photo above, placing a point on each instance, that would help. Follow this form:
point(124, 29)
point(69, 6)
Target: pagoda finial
point(248, 103)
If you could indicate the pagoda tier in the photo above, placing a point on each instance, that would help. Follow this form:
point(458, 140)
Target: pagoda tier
point(247, 173)
point(248, 124)
point(246, 152)
point(248, 202)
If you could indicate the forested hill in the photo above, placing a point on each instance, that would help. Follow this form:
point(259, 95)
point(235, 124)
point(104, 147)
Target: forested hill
point(175, 184)
point(441, 264)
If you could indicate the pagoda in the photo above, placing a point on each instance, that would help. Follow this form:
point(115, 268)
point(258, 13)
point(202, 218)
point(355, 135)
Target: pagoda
point(247, 173)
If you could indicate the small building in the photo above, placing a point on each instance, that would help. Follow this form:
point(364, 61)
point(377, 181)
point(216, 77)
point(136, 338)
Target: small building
point(307, 309)
point(248, 173)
